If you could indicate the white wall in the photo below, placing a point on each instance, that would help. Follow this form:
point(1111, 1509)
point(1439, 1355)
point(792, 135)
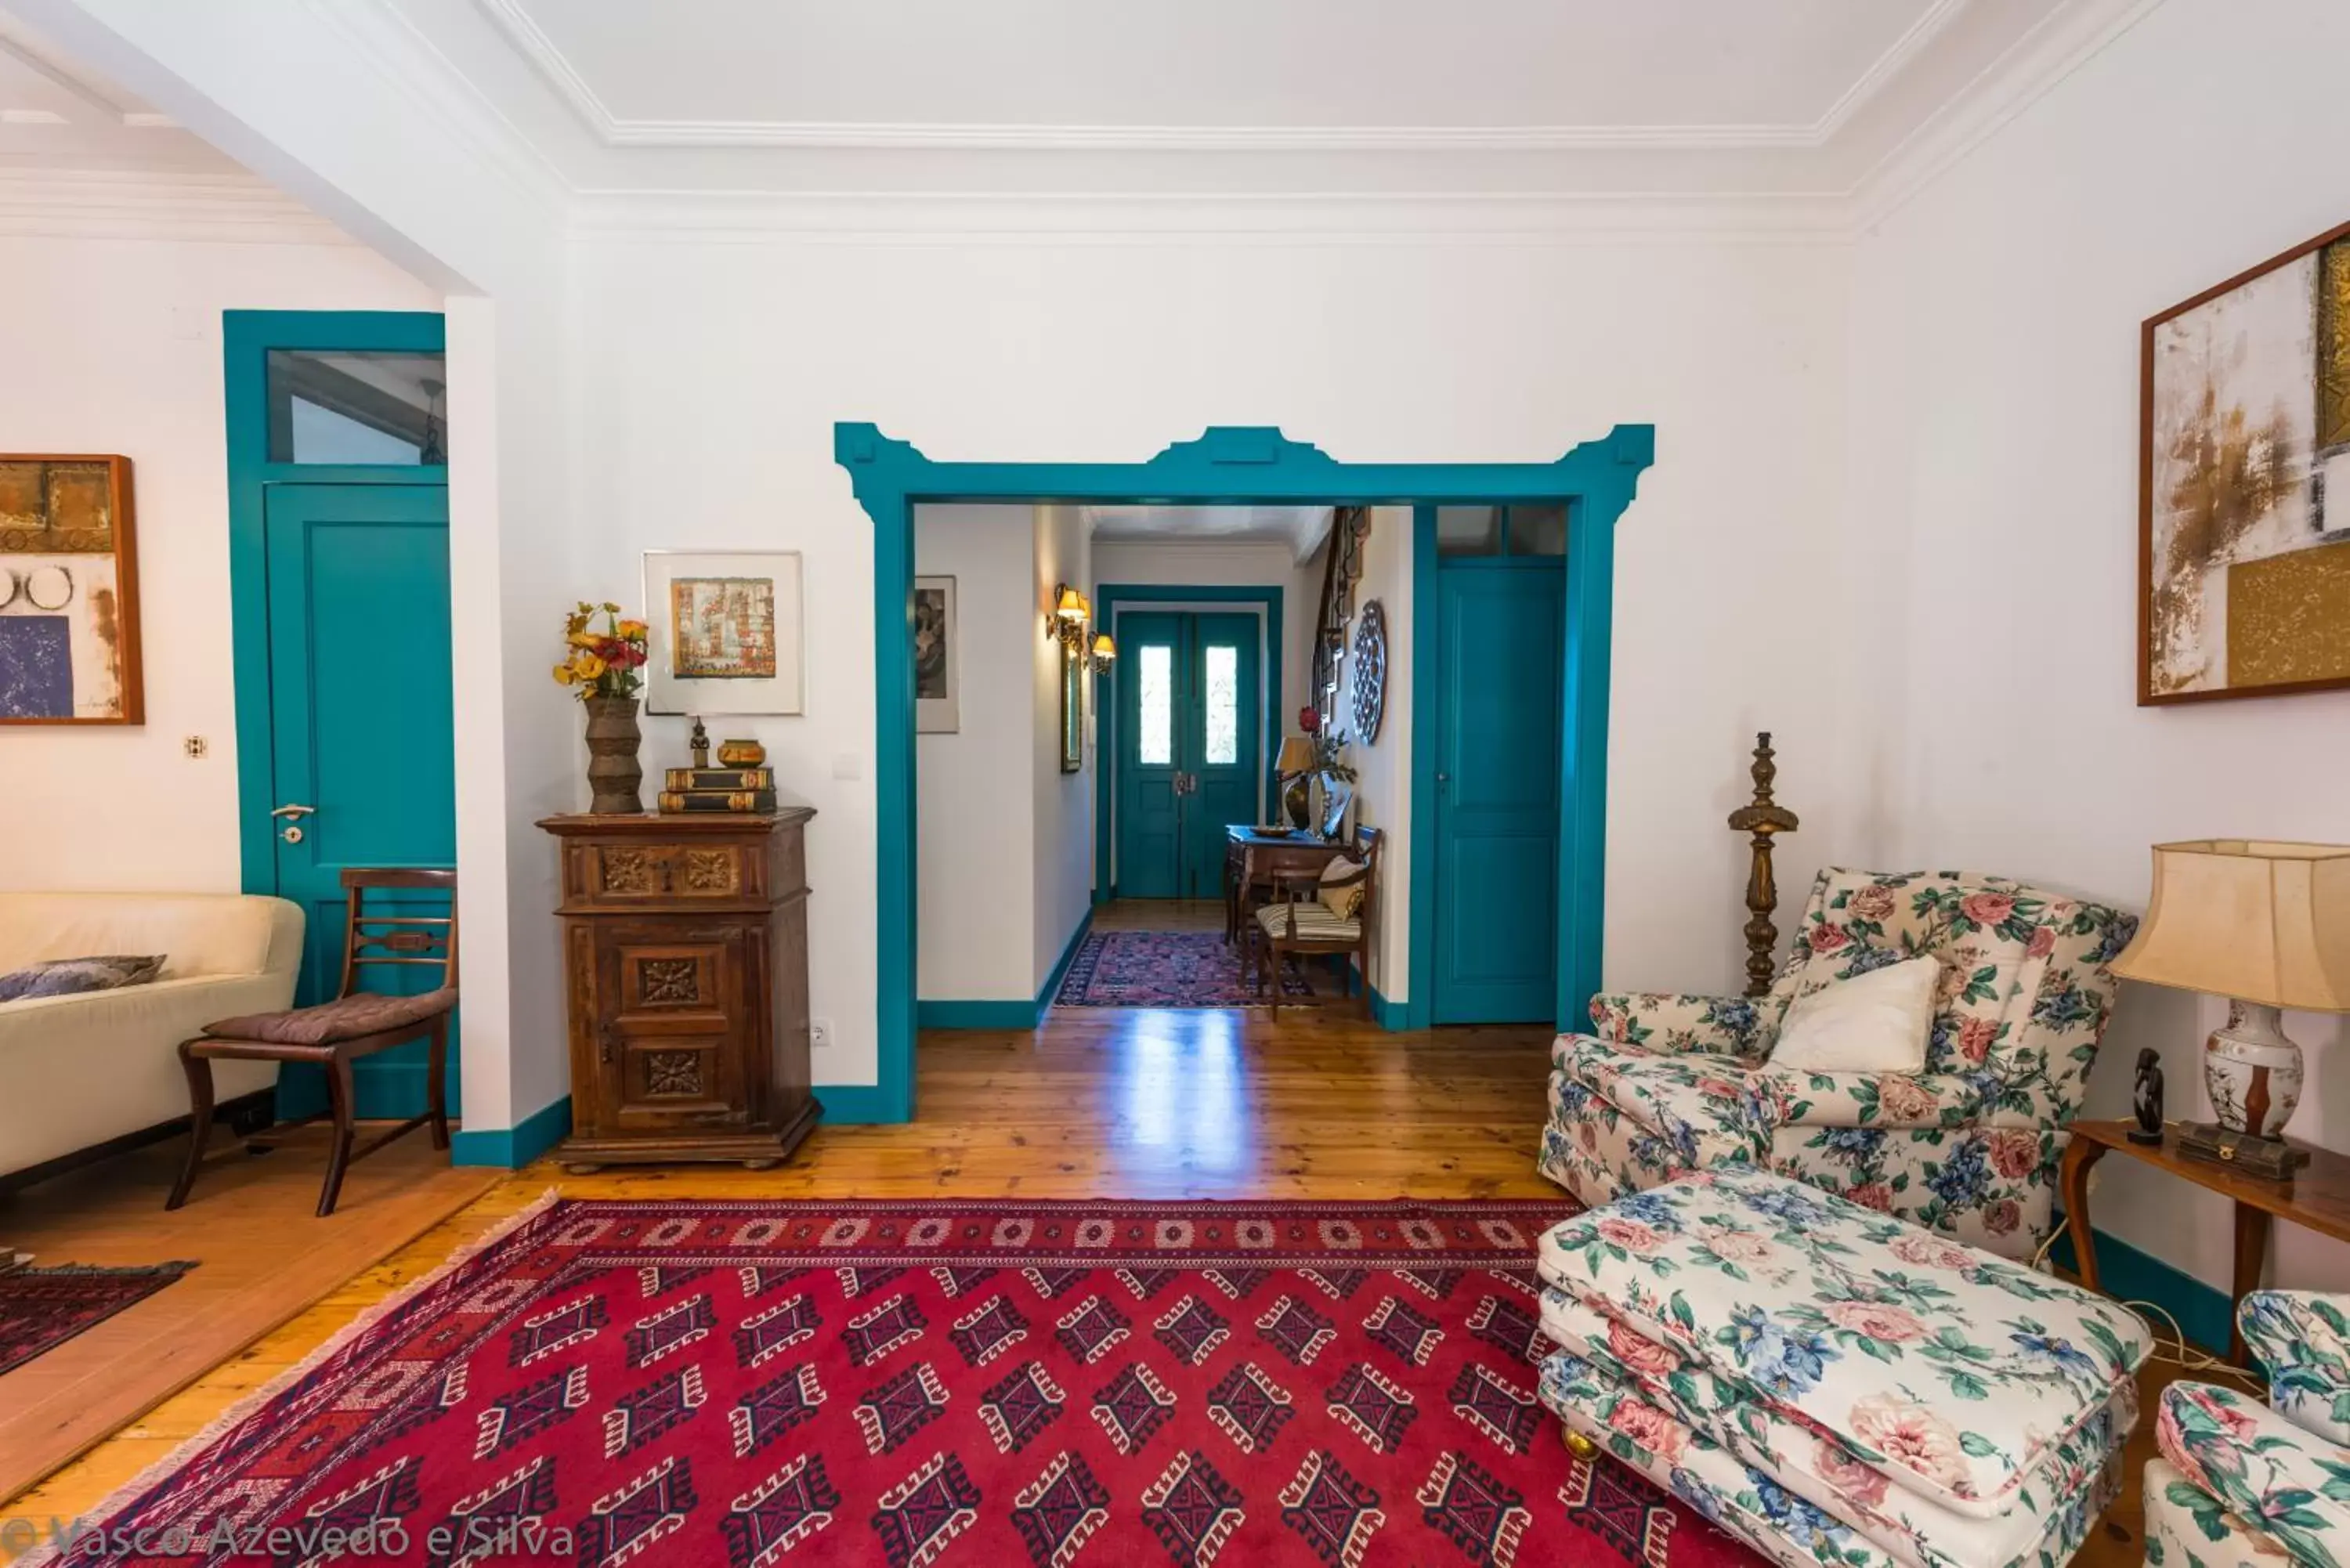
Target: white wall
point(114, 346)
point(1990, 615)
point(976, 799)
point(1062, 845)
point(711, 370)
point(1383, 769)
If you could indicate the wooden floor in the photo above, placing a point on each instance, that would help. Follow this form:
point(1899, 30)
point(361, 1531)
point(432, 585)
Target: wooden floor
point(261, 1256)
point(1141, 1104)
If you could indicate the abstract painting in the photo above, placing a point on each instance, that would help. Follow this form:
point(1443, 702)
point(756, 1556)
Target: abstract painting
point(725, 631)
point(69, 592)
point(937, 708)
point(724, 628)
point(2244, 566)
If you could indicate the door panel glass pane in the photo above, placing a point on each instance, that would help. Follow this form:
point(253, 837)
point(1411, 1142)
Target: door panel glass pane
point(380, 408)
point(1155, 738)
point(1224, 706)
point(1468, 530)
point(1538, 530)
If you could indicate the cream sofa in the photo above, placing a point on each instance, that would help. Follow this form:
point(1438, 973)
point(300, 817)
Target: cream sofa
point(80, 1071)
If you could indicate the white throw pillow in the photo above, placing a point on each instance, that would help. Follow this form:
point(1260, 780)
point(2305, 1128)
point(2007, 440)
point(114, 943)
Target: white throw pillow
point(1880, 1022)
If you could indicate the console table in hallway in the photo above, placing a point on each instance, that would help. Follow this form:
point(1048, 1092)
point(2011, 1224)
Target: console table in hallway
point(1276, 855)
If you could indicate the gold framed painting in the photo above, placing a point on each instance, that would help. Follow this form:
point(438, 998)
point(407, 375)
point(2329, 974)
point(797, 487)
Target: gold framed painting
point(69, 592)
point(2244, 484)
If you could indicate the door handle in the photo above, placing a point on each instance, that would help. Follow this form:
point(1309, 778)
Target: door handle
point(294, 811)
point(291, 816)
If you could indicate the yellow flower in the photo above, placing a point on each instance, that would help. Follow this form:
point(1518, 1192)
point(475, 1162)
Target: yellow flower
point(634, 631)
point(586, 664)
point(581, 639)
point(564, 675)
point(610, 608)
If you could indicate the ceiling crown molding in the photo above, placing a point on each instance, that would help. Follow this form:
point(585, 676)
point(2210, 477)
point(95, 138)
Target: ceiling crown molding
point(522, 30)
point(237, 209)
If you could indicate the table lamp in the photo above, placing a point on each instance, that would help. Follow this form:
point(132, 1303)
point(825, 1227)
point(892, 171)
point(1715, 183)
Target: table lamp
point(2267, 926)
point(1295, 764)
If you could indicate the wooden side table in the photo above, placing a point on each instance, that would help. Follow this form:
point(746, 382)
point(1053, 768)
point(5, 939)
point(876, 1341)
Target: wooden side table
point(1281, 856)
point(2317, 1199)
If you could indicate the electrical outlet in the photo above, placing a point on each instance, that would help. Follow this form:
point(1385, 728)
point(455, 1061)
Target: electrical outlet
point(197, 747)
point(820, 1034)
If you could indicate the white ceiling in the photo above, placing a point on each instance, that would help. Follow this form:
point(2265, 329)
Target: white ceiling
point(57, 114)
point(710, 69)
point(1301, 528)
point(1799, 104)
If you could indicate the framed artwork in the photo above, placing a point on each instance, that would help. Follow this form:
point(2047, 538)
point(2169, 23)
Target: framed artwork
point(69, 592)
point(935, 660)
point(725, 632)
point(1073, 711)
point(2244, 484)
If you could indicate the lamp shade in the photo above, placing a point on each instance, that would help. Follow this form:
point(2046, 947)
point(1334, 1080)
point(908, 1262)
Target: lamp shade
point(2247, 919)
point(1103, 647)
point(1296, 756)
point(1071, 605)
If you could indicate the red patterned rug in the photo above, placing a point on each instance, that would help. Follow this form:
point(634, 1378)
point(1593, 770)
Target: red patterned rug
point(40, 1309)
point(1175, 969)
point(1064, 1385)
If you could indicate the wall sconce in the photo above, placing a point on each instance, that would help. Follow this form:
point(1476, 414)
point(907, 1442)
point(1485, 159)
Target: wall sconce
point(1104, 652)
point(1067, 624)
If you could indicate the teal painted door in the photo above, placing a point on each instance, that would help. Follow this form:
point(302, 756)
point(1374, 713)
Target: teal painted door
point(1188, 759)
point(359, 727)
point(1497, 791)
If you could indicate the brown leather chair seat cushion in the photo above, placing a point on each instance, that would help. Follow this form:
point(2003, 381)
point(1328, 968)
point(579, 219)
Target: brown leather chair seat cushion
point(346, 1018)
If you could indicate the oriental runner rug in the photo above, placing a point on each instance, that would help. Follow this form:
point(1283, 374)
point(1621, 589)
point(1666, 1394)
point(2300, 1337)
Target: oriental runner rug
point(1066, 1384)
point(40, 1309)
point(1177, 969)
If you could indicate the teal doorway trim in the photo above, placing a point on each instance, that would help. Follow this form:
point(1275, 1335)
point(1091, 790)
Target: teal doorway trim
point(1107, 596)
point(246, 338)
point(1240, 465)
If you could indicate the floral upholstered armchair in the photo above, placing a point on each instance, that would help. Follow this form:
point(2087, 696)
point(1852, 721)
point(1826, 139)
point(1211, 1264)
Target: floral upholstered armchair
point(1968, 1147)
point(2238, 1483)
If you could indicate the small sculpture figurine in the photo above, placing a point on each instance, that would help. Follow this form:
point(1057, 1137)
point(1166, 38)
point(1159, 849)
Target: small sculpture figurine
point(700, 744)
point(2146, 1100)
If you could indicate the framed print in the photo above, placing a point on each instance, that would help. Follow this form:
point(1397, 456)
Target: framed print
point(1073, 711)
point(2244, 484)
point(935, 656)
point(725, 631)
point(68, 593)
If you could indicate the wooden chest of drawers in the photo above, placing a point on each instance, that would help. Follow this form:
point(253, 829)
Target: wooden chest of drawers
point(685, 953)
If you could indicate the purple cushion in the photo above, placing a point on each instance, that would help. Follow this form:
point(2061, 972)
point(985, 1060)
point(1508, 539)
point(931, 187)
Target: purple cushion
point(347, 1018)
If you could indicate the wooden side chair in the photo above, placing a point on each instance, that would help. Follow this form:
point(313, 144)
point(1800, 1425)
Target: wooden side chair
point(356, 1024)
point(1304, 924)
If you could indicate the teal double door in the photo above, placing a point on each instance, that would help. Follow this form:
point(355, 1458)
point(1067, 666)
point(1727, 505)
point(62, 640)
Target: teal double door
point(1497, 737)
point(1189, 735)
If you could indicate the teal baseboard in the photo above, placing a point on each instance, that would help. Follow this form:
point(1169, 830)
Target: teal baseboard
point(995, 1014)
point(861, 1104)
point(511, 1148)
point(1061, 970)
point(1014, 1015)
point(2205, 1314)
point(1390, 1015)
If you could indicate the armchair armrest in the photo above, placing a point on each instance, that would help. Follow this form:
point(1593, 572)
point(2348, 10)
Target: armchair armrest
point(2259, 1465)
point(1797, 1096)
point(2302, 1337)
point(1665, 1023)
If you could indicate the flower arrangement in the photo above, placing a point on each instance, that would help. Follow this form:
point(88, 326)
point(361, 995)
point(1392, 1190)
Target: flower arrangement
point(1328, 749)
point(602, 663)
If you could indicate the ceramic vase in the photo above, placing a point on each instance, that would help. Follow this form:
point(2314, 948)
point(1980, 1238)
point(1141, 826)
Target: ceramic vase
point(613, 771)
point(2252, 1071)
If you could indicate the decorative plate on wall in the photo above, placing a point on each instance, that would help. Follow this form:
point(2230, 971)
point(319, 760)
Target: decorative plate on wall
point(1370, 672)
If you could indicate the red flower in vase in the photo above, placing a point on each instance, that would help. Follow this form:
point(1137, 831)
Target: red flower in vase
point(1309, 720)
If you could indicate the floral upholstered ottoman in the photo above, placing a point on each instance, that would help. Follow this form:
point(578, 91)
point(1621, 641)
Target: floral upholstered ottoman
point(1834, 1385)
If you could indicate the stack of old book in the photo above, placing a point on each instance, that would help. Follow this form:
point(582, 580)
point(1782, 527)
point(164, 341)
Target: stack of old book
point(743, 791)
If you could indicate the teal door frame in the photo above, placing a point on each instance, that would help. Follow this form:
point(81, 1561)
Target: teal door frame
point(1107, 596)
point(246, 338)
point(1237, 465)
